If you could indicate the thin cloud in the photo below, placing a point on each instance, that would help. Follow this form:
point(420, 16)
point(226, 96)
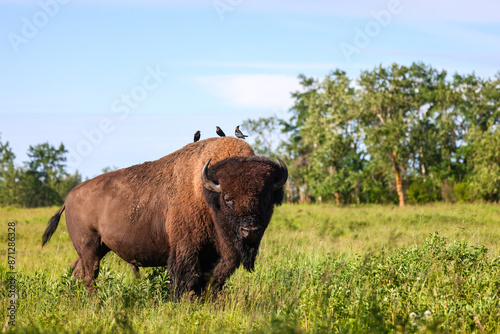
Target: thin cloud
point(264, 65)
point(252, 90)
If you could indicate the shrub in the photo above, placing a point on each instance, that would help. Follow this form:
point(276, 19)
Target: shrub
point(463, 192)
point(421, 192)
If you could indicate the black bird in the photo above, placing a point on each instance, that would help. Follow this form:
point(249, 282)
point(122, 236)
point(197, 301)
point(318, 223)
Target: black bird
point(197, 136)
point(238, 133)
point(220, 132)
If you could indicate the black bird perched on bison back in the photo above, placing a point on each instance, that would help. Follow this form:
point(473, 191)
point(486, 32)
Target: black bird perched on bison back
point(238, 133)
point(197, 136)
point(220, 132)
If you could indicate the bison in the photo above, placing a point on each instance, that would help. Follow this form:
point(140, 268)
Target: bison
point(200, 211)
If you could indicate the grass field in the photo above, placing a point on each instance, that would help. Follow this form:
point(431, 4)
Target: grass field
point(320, 269)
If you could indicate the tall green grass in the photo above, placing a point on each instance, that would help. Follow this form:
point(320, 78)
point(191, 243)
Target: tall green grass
point(320, 269)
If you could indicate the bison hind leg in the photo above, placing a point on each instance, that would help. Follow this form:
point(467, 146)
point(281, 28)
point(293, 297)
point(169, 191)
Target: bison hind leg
point(90, 259)
point(135, 269)
point(77, 269)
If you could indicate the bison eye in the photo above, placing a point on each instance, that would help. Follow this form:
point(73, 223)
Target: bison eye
point(228, 199)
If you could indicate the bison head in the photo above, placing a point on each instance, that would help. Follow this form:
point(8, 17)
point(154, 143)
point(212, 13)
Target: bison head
point(241, 193)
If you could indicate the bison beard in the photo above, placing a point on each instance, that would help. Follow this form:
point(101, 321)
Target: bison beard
point(164, 213)
point(249, 255)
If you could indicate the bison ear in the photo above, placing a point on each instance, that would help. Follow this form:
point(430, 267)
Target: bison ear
point(284, 176)
point(207, 183)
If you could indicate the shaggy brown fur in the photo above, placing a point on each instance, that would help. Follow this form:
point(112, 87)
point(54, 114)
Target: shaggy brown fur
point(158, 213)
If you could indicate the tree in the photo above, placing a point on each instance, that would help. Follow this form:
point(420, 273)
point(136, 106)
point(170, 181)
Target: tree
point(264, 132)
point(43, 176)
point(330, 128)
point(47, 161)
point(481, 109)
point(8, 175)
point(433, 136)
point(395, 105)
point(297, 150)
point(400, 131)
point(6, 155)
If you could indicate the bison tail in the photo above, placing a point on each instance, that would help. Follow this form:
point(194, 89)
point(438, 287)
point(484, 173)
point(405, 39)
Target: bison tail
point(53, 223)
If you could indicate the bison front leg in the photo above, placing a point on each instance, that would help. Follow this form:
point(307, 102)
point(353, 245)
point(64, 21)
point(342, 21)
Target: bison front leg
point(184, 274)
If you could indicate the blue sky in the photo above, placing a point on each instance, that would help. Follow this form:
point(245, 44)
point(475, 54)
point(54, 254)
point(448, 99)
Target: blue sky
point(123, 82)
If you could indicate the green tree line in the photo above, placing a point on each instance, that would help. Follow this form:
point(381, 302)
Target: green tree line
point(394, 134)
point(41, 181)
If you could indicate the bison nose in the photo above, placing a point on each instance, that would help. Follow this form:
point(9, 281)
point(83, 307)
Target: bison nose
point(250, 233)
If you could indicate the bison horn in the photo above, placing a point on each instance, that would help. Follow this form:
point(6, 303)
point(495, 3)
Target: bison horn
point(208, 184)
point(282, 181)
